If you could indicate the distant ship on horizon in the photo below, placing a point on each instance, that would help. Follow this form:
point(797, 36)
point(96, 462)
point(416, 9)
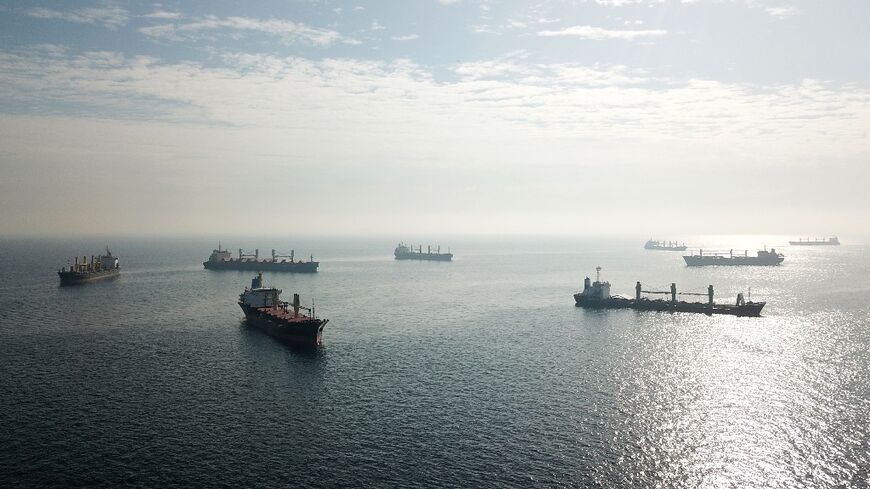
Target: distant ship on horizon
point(405, 252)
point(664, 245)
point(708, 258)
point(222, 259)
point(832, 241)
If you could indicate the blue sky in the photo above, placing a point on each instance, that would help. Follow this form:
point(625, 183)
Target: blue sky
point(482, 116)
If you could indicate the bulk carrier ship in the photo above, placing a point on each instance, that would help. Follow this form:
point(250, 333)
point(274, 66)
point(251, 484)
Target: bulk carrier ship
point(596, 295)
point(265, 311)
point(221, 259)
point(405, 252)
point(99, 268)
point(664, 245)
point(832, 241)
point(708, 258)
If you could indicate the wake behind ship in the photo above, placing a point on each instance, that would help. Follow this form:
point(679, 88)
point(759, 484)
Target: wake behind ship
point(99, 268)
point(265, 311)
point(596, 295)
point(405, 252)
point(221, 259)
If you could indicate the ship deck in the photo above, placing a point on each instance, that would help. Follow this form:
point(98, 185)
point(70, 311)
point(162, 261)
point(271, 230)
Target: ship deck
point(285, 316)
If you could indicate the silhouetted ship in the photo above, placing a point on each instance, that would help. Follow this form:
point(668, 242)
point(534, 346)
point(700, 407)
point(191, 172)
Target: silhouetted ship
point(832, 241)
point(664, 245)
point(404, 252)
point(265, 311)
point(99, 268)
point(762, 258)
point(223, 260)
point(596, 295)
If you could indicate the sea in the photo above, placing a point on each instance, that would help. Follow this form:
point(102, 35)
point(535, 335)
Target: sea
point(480, 372)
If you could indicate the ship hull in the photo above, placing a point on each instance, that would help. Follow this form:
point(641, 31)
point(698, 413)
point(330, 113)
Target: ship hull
point(723, 261)
point(425, 256)
point(813, 243)
point(78, 278)
point(263, 266)
point(666, 248)
point(307, 332)
point(749, 309)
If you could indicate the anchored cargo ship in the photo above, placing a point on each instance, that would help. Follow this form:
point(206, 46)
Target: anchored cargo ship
point(832, 241)
point(664, 245)
point(265, 311)
point(99, 268)
point(222, 259)
point(708, 258)
point(405, 252)
point(596, 295)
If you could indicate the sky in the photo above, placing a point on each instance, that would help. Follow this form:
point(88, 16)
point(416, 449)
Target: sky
point(435, 117)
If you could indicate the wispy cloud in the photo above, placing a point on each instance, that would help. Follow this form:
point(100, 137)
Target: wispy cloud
point(601, 34)
point(163, 14)
point(511, 98)
point(409, 37)
point(782, 12)
point(109, 15)
point(289, 31)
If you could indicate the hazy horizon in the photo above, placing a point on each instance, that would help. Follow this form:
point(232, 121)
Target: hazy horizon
point(654, 118)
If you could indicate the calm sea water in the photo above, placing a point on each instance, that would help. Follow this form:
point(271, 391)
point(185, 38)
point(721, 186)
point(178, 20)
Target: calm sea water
point(479, 372)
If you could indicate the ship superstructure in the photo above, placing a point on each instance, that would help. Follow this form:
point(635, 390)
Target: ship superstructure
point(265, 311)
point(98, 268)
point(664, 245)
point(596, 295)
point(406, 252)
point(729, 258)
point(222, 259)
point(832, 241)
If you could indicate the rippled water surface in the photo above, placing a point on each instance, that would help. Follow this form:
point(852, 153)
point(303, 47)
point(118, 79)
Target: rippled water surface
point(479, 372)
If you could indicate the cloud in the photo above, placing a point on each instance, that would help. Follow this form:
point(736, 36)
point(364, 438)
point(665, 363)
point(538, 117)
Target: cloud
point(289, 31)
point(600, 34)
point(108, 15)
point(162, 14)
point(353, 136)
point(503, 98)
point(782, 12)
point(376, 26)
point(409, 37)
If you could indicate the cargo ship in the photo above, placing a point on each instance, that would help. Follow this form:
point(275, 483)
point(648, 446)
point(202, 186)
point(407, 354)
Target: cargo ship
point(664, 245)
point(99, 268)
point(596, 295)
point(265, 311)
point(832, 241)
point(708, 258)
point(222, 259)
point(405, 252)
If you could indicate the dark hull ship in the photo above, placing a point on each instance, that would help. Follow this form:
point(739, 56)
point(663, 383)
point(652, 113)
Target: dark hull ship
point(223, 260)
point(404, 252)
point(266, 312)
point(99, 268)
point(596, 295)
point(762, 258)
